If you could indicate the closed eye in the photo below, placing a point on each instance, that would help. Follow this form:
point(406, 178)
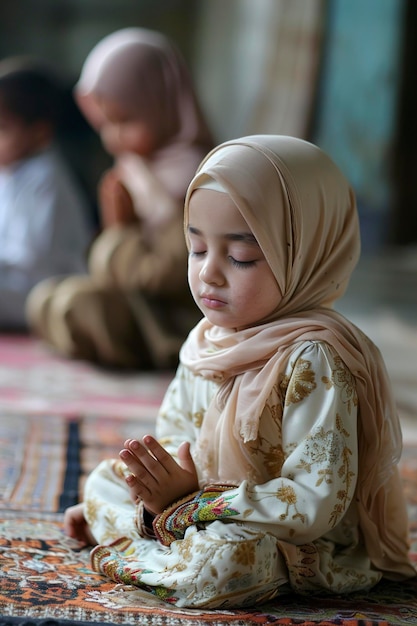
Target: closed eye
point(242, 264)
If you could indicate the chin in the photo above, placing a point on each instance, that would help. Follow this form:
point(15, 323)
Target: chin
point(221, 323)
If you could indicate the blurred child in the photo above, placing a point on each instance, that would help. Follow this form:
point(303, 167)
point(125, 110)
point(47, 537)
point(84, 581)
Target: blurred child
point(275, 467)
point(44, 215)
point(134, 309)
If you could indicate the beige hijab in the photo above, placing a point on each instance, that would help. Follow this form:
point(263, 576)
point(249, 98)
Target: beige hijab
point(145, 73)
point(303, 214)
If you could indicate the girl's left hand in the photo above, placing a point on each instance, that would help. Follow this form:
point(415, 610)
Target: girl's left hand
point(75, 525)
point(156, 478)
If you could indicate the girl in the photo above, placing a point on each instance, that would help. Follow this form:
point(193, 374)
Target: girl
point(275, 467)
point(134, 309)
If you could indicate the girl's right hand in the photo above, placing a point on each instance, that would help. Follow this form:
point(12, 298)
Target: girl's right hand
point(156, 477)
point(75, 525)
point(115, 202)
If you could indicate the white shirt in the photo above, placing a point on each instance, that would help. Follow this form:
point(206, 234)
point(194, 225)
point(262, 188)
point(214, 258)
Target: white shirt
point(44, 229)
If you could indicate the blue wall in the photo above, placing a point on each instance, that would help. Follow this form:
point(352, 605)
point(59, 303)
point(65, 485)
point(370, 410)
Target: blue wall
point(357, 101)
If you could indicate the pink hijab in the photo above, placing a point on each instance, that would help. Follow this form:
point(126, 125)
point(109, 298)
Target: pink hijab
point(303, 214)
point(145, 73)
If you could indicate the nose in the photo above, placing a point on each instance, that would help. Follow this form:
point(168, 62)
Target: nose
point(211, 272)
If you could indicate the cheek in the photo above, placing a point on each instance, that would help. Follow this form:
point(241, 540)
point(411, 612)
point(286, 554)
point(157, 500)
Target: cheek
point(110, 139)
point(192, 275)
point(91, 110)
point(264, 293)
point(270, 296)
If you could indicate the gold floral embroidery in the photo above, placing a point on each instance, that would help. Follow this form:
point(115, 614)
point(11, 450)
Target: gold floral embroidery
point(92, 507)
point(213, 571)
point(301, 382)
point(110, 532)
point(342, 378)
point(346, 474)
point(329, 448)
point(271, 455)
point(120, 469)
point(245, 554)
point(322, 447)
point(197, 418)
point(288, 495)
point(340, 427)
point(185, 552)
point(267, 449)
point(274, 460)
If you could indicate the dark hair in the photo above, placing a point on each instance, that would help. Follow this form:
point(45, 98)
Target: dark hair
point(30, 91)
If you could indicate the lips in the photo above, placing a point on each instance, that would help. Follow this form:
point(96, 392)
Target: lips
point(211, 301)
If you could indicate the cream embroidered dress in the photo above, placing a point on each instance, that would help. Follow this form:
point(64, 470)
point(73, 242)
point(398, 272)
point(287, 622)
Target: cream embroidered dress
point(266, 534)
point(292, 422)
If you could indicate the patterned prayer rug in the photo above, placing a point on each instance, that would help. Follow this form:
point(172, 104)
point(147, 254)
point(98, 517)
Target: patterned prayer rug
point(45, 578)
point(33, 379)
point(44, 575)
point(44, 459)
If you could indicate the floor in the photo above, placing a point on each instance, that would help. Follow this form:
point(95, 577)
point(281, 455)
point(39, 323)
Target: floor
point(382, 301)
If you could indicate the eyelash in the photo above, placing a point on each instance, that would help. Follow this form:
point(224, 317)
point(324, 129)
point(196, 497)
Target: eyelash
point(242, 264)
point(234, 262)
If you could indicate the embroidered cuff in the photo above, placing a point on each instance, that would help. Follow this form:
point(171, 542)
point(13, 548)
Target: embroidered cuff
point(144, 521)
point(205, 505)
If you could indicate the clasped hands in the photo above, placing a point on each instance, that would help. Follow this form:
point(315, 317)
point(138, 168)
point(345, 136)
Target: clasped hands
point(115, 201)
point(156, 478)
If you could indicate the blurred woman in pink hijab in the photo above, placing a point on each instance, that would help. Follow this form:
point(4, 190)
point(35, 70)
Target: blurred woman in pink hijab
point(134, 308)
